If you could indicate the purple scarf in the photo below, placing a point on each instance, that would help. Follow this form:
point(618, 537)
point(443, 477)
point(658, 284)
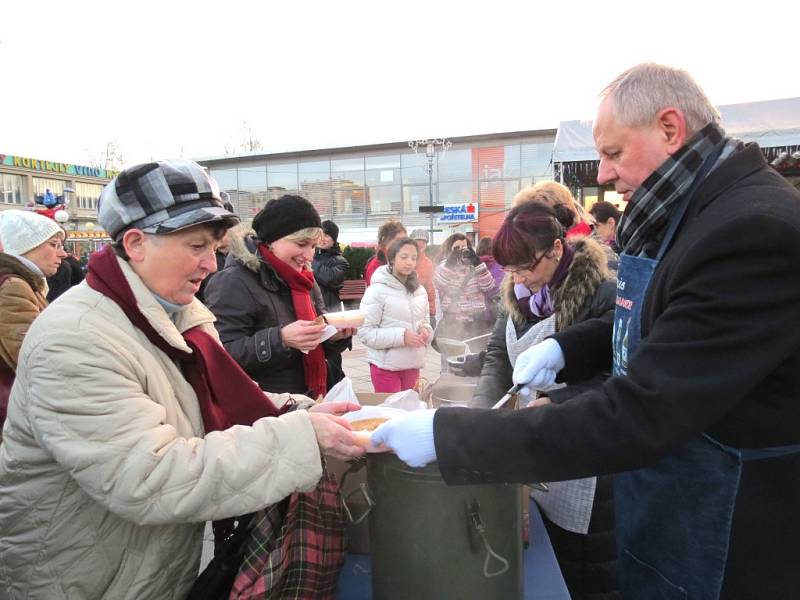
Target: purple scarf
point(540, 304)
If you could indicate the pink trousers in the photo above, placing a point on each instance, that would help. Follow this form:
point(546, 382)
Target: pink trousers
point(393, 381)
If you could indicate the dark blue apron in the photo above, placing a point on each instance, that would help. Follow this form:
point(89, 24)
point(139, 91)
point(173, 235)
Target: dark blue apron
point(673, 520)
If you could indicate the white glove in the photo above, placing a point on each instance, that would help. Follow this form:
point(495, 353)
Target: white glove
point(411, 437)
point(538, 366)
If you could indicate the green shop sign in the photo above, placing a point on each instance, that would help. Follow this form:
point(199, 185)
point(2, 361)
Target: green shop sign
point(55, 167)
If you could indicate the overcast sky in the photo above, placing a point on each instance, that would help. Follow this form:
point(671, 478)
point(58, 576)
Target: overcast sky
point(172, 78)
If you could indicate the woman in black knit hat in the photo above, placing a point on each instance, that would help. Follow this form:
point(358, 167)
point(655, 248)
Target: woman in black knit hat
point(266, 301)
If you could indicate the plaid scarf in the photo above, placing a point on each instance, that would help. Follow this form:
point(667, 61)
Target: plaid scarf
point(296, 549)
point(646, 218)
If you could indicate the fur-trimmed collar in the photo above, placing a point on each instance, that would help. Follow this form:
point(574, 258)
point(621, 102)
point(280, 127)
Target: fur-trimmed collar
point(241, 251)
point(12, 265)
point(244, 251)
point(588, 270)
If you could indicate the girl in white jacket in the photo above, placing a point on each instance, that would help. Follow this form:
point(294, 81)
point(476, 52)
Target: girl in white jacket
point(397, 326)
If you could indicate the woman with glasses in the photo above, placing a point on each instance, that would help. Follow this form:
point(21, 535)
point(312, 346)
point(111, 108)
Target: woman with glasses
point(33, 249)
point(554, 283)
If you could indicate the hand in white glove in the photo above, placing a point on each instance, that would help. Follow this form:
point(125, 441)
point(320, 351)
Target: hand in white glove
point(411, 437)
point(538, 365)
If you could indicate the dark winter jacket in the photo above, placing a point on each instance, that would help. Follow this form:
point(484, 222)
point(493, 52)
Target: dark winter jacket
point(720, 354)
point(252, 304)
point(69, 273)
point(201, 293)
point(587, 562)
point(330, 270)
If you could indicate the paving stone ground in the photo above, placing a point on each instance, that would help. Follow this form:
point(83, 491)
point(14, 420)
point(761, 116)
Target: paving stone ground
point(354, 363)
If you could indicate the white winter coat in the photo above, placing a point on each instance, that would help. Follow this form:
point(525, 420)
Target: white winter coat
point(106, 478)
point(390, 311)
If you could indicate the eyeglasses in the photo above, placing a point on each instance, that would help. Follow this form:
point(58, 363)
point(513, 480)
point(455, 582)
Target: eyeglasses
point(529, 267)
point(56, 245)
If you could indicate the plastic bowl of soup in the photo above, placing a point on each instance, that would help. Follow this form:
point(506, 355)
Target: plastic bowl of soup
point(367, 420)
point(346, 319)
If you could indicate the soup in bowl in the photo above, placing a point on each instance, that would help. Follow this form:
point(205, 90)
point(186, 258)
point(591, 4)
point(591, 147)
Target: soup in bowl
point(346, 319)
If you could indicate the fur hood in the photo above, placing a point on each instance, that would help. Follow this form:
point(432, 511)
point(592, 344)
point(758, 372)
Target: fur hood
point(243, 248)
point(588, 270)
point(9, 264)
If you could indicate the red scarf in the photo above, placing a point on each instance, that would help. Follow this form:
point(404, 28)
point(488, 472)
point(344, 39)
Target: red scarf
point(300, 283)
point(226, 394)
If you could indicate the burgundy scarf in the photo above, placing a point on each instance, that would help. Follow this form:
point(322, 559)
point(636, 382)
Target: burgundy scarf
point(226, 394)
point(300, 283)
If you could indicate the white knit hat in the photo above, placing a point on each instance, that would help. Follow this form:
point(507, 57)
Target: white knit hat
point(22, 230)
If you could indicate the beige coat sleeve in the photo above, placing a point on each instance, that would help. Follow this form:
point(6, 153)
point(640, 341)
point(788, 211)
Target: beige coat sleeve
point(18, 308)
point(90, 407)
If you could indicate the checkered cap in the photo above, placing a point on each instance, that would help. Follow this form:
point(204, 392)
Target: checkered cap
point(160, 198)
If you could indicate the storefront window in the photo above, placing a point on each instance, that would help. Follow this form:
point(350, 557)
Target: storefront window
point(314, 171)
point(252, 191)
point(497, 195)
point(348, 191)
point(496, 162)
point(87, 195)
point(316, 185)
point(415, 196)
point(41, 185)
point(455, 192)
point(11, 188)
point(456, 164)
point(282, 179)
point(536, 160)
point(348, 199)
point(384, 199)
point(414, 168)
point(353, 167)
point(227, 181)
point(511, 161)
point(388, 161)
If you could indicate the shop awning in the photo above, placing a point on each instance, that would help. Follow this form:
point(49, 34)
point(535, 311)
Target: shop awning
point(770, 123)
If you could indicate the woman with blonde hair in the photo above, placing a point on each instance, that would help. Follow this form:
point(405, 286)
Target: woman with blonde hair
point(553, 193)
point(267, 303)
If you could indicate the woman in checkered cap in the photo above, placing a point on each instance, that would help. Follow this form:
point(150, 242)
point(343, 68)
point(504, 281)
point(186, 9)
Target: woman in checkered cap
point(129, 425)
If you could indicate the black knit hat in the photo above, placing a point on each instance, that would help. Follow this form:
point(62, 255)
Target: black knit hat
point(332, 229)
point(283, 216)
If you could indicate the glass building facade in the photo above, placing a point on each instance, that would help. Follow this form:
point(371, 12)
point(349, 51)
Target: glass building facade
point(360, 188)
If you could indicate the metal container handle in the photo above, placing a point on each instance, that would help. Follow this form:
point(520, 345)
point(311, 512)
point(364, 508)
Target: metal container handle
point(476, 521)
point(363, 489)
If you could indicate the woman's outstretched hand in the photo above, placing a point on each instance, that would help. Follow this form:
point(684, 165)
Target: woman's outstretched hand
point(337, 408)
point(335, 436)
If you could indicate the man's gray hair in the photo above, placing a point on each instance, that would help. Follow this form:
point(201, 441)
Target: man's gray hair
point(642, 91)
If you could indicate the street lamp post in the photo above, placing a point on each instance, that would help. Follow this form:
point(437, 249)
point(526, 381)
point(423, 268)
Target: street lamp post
point(435, 149)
